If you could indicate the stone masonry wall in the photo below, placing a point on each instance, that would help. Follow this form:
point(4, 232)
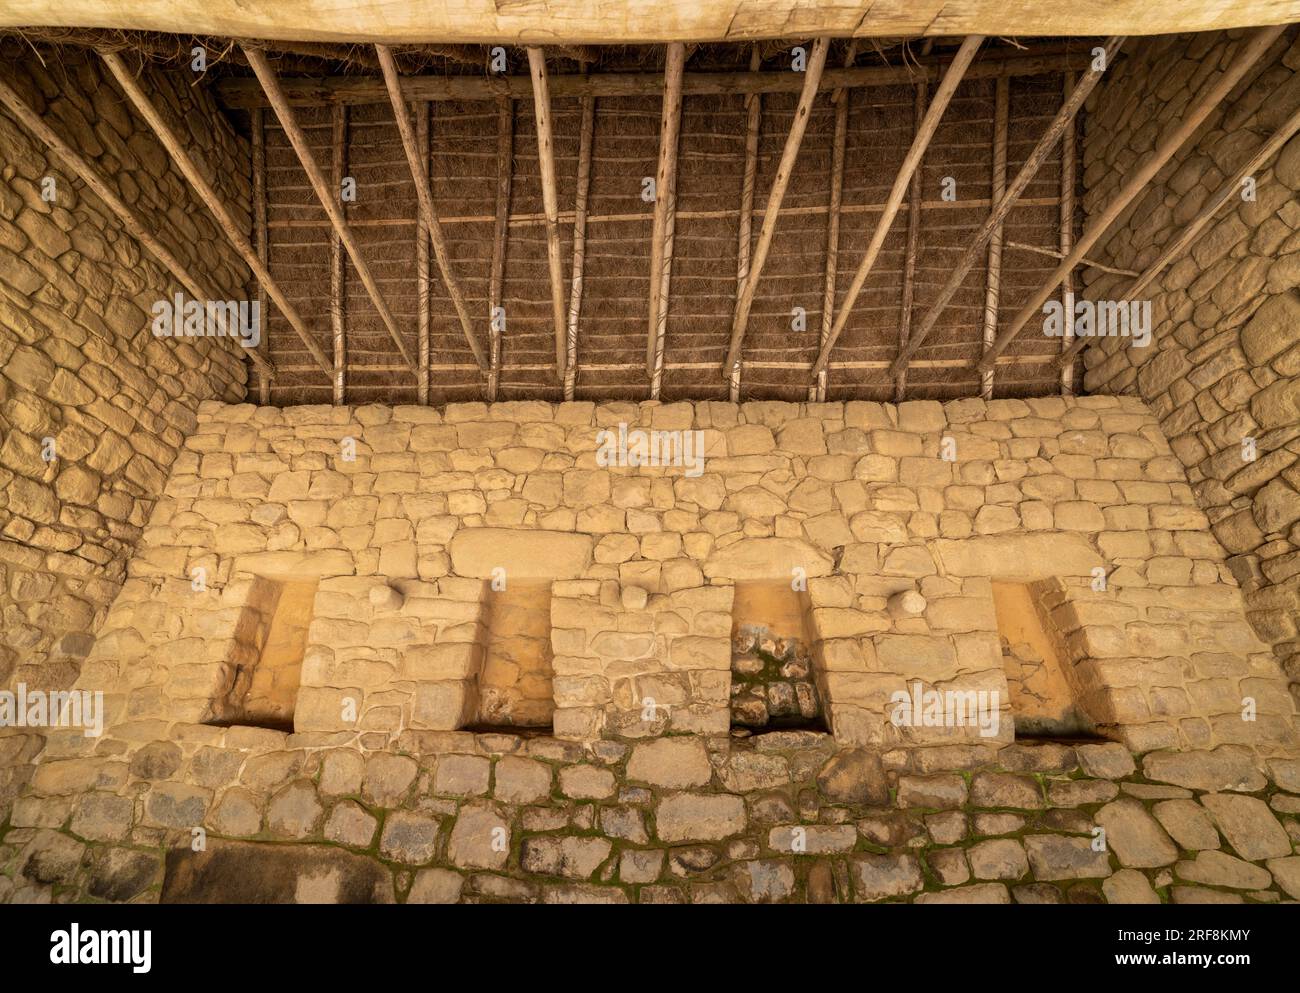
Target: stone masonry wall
point(391, 800)
point(78, 363)
point(1225, 363)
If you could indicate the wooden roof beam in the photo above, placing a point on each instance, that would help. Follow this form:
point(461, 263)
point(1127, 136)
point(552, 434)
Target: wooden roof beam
point(1196, 225)
point(1051, 136)
point(670, 126)
point(328, 198)
point(134, 226)
point(242, 93)
point(960, 62)
point(424, 195)
point(550, 202)
point(771, 211)
point(1254, 46)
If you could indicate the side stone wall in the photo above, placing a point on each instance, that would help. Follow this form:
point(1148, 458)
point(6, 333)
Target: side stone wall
point(79, 368)
point(78, 363)
point(1222, 374)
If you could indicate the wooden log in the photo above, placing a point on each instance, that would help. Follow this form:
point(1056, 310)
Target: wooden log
point(241, 93)
point(587, 132)
point(993, 275)
point(338, 154)
point(912, 249)
point(225, 221)
point(500, 238)
point(670, 120)
point(550, 201)
point(1193, 229)
point(328, 198)
point(771, 213)
point(840, 98)
point(902, 181)
point(1065, 231)
point(1254, 45)
point(257, 125)
point(423, 286)
point(1053, 253)
point(753, 112)
point(424, 195)
point(1003, 207)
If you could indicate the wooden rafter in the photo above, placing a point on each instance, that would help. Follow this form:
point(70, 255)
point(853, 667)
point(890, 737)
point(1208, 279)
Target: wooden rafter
point(425, 197)
point(1065, 238)
point(241, 93)
point(839, 141)
point(993, 275)
point(771, 214)
point(423, 315)
point(661, 261)
point(131, 222)
point(500, 237)
point(208, 194)
point(257, 125)
point(753, 117)
point(912, 249)
point(338, 313)
point(1002, 207)
point(587, 131)
point(1193, 229)
point(956, 71)
point(1254, 46)
point(550, 201)
point(328, 198)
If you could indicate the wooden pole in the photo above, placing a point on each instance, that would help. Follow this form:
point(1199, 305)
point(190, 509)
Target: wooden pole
point(1053, 253)
point(993, 276)
point(425, 197)
point(329, 199)
point(585, 142)
point(131, 222)
point(212, 200)
point(1065, 231)
point(550, 201)
point(1253, 47)
point(670, 119)
point(771, 213)
point(914, 154)
point(500, 238)
point(1003, 207)
point(1196, 225)
point(257, 125)
point(840, 98)
point(913, 247)
point(423, 317)
point(238, 93)
point(754, 111)
point(338, 149)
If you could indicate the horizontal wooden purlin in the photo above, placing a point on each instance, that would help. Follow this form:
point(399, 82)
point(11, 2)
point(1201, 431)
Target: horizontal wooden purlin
point(531, 220)
point(1003, 360)
point(240, 93)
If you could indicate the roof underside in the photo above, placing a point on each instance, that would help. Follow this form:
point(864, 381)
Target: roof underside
point(639, 21)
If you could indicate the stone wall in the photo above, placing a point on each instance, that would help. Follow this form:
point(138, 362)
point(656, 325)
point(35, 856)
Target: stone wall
point(1225, 363)
point(78, 363)
point(408, 517)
